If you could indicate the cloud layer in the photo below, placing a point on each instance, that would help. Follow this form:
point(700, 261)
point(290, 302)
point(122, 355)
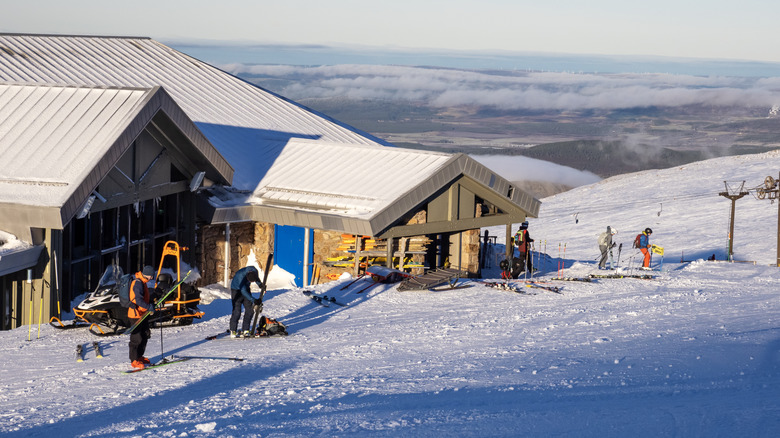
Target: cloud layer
point(516, 90)
point(519, 168)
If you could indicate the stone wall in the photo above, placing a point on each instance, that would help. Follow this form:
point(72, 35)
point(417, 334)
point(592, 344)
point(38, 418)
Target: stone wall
point(263, 242)
point(470, 252)
point(244, 238)
point(326, 245)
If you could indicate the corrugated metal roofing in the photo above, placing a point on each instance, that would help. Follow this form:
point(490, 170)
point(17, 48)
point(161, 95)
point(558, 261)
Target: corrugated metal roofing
point(347, 179)
point(370, 187)
point(212, 98)
point(299, 163)
point(59, 142)
point(53, 137)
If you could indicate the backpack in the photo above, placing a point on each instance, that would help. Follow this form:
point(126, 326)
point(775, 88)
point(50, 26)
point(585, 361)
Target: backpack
point(637, 241)
point(271, 327)
point(124, 290)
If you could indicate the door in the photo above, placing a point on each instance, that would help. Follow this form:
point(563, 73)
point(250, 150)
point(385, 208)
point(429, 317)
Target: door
point(289, 250)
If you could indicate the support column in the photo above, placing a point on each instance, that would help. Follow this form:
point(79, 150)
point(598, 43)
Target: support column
point(358, 245)
point(389, 259)
point(509, 246)
point(306, 245)
point(226, 270)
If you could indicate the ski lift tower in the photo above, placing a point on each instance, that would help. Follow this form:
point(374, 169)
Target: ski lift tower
point(733, 195)
point(771, 190)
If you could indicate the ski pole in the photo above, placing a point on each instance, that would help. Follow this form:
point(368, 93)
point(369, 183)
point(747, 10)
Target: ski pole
point(560, 262)
point(563, 262)
point(162, 350)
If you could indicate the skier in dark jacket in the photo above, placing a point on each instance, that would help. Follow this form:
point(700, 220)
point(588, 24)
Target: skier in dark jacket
point(241, 295)
point(141, 303)
point(522, 240)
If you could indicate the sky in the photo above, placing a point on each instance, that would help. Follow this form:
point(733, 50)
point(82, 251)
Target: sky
point(706, 29)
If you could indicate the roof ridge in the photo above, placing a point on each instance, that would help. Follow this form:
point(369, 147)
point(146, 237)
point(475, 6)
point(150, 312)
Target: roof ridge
point(127, 37)
point(82, 86)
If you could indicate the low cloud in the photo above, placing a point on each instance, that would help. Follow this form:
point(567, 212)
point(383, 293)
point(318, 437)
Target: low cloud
point(519, 168)
point(516, 90)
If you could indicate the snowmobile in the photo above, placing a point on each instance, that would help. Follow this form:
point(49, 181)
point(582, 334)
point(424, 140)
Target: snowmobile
point(102, 311)
point(101, 307)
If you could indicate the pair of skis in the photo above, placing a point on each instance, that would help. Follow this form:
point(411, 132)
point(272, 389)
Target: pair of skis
point(263, 288)
point(507, 287)
point(179, 359)
point(159, 364)
point(513, 288)
point(555, 289)
point(225, 334)
point(82, 348)
point(161, 300)
point(323, 300)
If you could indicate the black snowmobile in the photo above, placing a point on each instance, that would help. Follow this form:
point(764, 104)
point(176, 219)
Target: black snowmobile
point(101, 307)
point(105, 316)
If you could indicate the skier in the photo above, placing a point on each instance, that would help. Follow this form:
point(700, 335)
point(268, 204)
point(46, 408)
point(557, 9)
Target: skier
point(241, 295)
point(606, 245)
point(644, 246)
point(141, 303)
point(522, 240)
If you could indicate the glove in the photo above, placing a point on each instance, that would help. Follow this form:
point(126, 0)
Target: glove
point(151, 310)
point(258, 302)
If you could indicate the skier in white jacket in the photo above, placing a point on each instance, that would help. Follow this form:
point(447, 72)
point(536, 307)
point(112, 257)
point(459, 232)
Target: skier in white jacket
point(605, 245)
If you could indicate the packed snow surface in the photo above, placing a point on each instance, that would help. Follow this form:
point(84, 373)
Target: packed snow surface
point(694, 351)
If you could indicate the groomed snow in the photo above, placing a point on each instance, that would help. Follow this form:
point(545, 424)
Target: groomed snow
point(693, 352)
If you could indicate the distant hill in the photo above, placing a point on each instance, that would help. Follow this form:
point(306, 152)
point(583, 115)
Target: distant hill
point(606, 143)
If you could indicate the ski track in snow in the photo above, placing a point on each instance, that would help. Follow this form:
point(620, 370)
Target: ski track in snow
point(692, 352)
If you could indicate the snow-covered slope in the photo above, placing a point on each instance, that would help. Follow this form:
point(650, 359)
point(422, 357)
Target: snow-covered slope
point(693, 352)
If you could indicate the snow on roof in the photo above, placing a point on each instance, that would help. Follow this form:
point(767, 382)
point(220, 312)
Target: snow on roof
point(349, 179)
point(15, 254)
point(53, 137)
point(372, 187)
point(240, 119)
point(9, 243)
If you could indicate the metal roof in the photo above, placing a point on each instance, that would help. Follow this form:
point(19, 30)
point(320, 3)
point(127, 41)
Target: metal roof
point(365, 191)
point(53, 137)
point(302, 167)
point(214, 99)
point(352, 180)
point(59, 142)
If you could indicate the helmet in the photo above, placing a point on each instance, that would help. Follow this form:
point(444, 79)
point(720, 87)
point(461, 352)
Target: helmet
point(524, 225)
point(648, 231)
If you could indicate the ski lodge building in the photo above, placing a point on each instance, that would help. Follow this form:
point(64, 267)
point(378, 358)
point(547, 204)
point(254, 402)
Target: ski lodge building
point(111, 146)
